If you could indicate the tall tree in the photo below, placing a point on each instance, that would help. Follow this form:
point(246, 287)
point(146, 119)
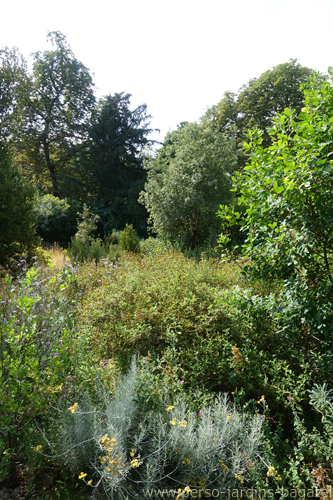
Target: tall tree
point(259, 101)
point(187, 179)
point(14, 85)
point(57, 109)
point(112, 160)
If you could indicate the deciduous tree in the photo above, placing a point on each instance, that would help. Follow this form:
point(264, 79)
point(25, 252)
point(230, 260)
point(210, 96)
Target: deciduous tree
point(187, 179)
point(57, 109)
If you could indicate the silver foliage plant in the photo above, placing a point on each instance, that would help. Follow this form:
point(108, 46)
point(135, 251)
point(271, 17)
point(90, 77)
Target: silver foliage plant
point(125, 450)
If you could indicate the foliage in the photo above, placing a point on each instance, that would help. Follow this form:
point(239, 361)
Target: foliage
point(287, 191)
point(111, 163)
point(35, 345)
point(192, 318)
point(17, 235)
point(186, 181)
point(259, 101)
point(311, 466)
point(128, 239)
point(84, 247)
point(13, 85)
point(56, 220)
point(56, 110)
point(122, 447)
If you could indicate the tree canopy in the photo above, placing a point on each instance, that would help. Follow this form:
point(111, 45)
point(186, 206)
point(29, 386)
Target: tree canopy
point(111, 161)
point(259, 101)
point(187, 179)
point(56, 110)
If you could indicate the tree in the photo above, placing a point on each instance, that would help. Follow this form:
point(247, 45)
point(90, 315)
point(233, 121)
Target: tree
point(17, 218)
point(287, 189)
point(112, 161)
point(14, 84)
point(187, 179)
point(57, 109)
point(259, 101)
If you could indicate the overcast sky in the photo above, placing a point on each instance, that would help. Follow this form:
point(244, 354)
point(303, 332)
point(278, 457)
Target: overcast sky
point(176, 56)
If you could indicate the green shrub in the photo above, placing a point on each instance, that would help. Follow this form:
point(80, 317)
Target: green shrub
point(84, 247)
point(128, 239)
point(56, 219)
point(194, 316)
point(17, 218)
point(286, 189)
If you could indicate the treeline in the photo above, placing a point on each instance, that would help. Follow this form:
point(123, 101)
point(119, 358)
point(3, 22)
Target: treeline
point(63, 148)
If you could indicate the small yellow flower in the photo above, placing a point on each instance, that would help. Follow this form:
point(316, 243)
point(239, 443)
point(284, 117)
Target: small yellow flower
point(183, 424)
point(170, 408)
point(223, 465)
point(229, 417)
point(90, 482)
point(187, 489)
point(187, 461)
point(214, 439)
point(261, 400)
point(271, 472)
point(279, 478)
point(82, 475)
point(73, 408)
point(132, 452)
point(239, 477)
point(38, 448)
point(177, 450)
point(135, 463)
point(173, 421)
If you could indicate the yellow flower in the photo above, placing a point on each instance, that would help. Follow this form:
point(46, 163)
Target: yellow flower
point(239, 477)
point(173, 421)
point(183, 424)
point(73, 408)
point(187, 461)
point(271, 472)
point(261, 399)
point(135, 463)
point(187, 489)
point(170, 408)
point(82, 475)
point(229, 417)
point(223, 465)
point(39, 447)
point(279, 478)
point(132, 452)
point(177, 450)
point(89, 482)
point(214, 439)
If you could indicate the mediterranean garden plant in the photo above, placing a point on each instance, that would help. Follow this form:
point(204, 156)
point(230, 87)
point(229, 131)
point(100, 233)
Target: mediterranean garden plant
point(124, 448)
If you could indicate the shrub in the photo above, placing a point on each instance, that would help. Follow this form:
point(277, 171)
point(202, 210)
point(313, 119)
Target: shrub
point(192, 319)
point(35, 350)
point(17, 218)
point(84, 247)
point(56, 219)
point(128, 239)
point(287, 191)
point(124, 448)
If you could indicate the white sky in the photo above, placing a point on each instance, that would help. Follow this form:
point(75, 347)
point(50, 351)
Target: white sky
point(176, 56)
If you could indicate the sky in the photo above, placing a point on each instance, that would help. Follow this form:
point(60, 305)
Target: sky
point(177, 57)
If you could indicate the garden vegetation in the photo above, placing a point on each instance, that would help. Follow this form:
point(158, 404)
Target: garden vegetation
point(165, 366)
